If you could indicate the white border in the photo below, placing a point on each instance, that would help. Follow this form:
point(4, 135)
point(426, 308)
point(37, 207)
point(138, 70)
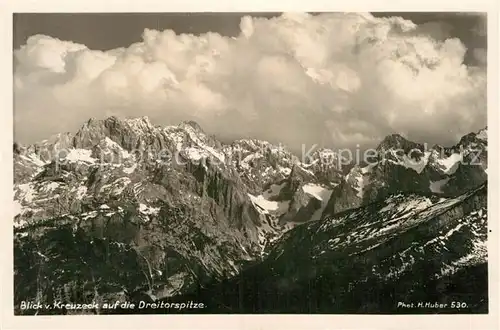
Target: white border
point(9, 321)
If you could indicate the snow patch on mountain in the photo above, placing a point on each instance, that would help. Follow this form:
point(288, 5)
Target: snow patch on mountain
point(112, 145)
point(27, 192)
point(482, 134)
point(450, 164)
point(414, 164)
point(194, 153)
point(317, 191)
point(405, 208)
point(33, 158)
point(193, 136)
point(89, 215)
point(148, 210)
point(266, 206)
point(263, 203)
point(304, 169)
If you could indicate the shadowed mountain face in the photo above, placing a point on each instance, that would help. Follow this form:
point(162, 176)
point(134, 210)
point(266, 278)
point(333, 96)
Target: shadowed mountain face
point(125, 210)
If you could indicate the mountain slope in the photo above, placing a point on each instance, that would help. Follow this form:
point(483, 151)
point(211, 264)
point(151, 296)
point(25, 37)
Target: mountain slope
point(161, 226)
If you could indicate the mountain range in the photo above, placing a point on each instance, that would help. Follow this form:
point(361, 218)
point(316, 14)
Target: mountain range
point(123, 210)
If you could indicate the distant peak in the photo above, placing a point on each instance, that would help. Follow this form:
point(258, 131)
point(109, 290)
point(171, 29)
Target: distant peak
point(395, 137)
point(473, 137)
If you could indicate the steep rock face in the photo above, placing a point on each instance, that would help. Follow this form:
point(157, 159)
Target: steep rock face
point(302, 207)
point(405, 248)
point(344, 197)
point(307, 197)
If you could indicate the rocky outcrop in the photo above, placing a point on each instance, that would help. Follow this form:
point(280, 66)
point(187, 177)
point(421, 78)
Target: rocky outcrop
point(123, 208)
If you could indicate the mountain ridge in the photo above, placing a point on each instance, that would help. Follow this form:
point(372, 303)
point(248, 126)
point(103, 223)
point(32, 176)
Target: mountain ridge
point(172, 209)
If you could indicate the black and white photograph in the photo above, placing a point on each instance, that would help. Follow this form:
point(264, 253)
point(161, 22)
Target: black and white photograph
point(250, 163)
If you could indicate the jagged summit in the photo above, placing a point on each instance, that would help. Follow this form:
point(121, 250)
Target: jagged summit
point(134, 122)
point(133, 133)
point(193, 124)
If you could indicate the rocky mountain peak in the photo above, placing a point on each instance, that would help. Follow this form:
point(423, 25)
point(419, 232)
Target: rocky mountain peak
point(483, 133)
point(127, 132)
point(397, 141)
point(479, 137)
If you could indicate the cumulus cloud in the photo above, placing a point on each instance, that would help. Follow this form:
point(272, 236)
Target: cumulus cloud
point(332, 79)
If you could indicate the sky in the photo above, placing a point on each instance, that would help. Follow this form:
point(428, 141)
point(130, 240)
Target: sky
point(333, 79)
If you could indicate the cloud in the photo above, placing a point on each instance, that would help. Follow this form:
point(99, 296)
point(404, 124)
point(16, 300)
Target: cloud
point(332, 79)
